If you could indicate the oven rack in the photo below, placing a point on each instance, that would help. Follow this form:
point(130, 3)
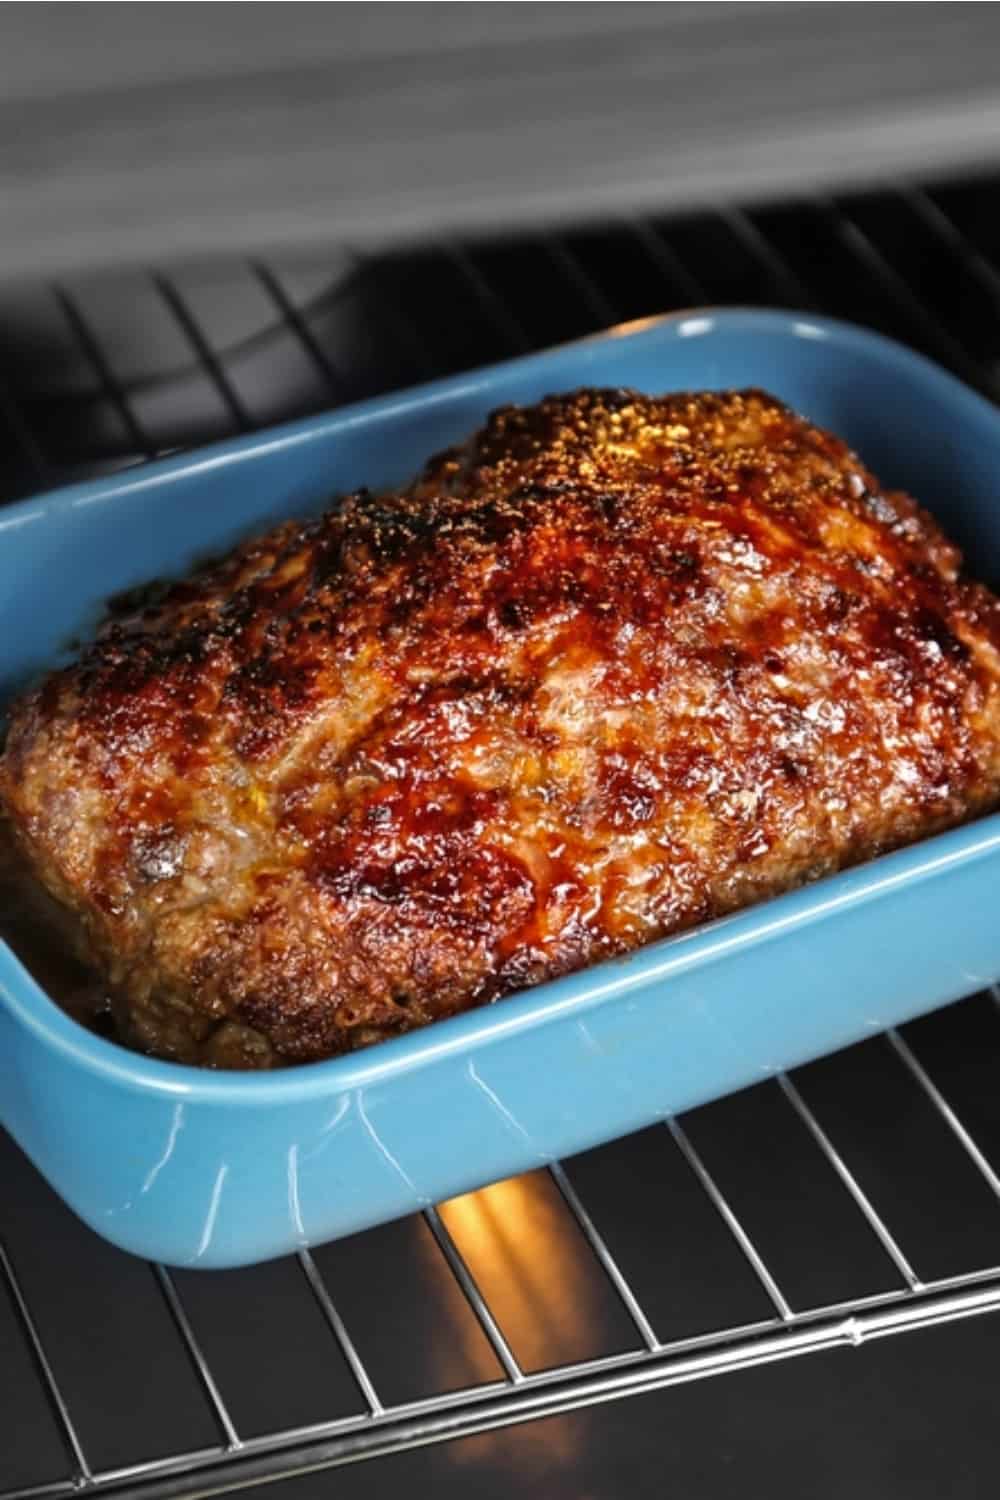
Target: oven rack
point(77, 396)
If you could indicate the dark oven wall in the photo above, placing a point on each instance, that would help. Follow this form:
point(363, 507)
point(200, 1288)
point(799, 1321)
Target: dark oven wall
point(108, 368)
point(854, 1199)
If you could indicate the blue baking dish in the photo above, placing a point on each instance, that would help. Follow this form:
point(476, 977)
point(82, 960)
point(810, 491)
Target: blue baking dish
point(207, 1169)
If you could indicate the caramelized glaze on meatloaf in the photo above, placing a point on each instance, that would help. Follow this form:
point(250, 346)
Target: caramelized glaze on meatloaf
point(619, 665)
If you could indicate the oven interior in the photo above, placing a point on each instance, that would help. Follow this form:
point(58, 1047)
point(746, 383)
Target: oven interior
point(857, 1198)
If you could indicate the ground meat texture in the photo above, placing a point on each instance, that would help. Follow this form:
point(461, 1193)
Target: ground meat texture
point(619, 665)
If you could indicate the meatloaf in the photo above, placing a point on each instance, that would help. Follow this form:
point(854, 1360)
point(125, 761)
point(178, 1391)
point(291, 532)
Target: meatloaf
point(618, 665)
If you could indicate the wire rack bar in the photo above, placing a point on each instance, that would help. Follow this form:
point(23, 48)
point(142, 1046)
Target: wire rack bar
point(321, 361)
point(598, 1245)
point(28, 445)
point(875, 1222)
point(110, 384)
point(944, 1109)
point(362, 1378)
point(198, 1358)
point(666, 260)
point(932, 1288)
point(586, 288)
point(474, 1296)
point(192, 1462)
point(604, 1365)
point(48, 1374)
point(934, 1294)
point(400, 325)
point(934, 218)
point(499, 315)
point(54, 1487)
point(192, 330)
point(896, 290)
point(532, 1401)
point(764, 253)
point(725, 1211)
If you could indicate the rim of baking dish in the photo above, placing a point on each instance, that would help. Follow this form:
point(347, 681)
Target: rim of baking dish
point(574, 993)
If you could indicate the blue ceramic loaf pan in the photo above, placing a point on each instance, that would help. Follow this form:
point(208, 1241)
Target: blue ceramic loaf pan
point(208, 1169)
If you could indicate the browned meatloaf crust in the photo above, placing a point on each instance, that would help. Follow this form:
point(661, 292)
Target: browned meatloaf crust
point(619, 665)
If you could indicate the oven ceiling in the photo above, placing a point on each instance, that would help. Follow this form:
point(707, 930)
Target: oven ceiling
point(132, 133)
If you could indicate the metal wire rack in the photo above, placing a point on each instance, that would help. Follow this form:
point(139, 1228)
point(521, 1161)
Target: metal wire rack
point(852, 1200)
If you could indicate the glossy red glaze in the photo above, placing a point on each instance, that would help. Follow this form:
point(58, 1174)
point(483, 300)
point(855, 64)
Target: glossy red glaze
point(618, 665)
